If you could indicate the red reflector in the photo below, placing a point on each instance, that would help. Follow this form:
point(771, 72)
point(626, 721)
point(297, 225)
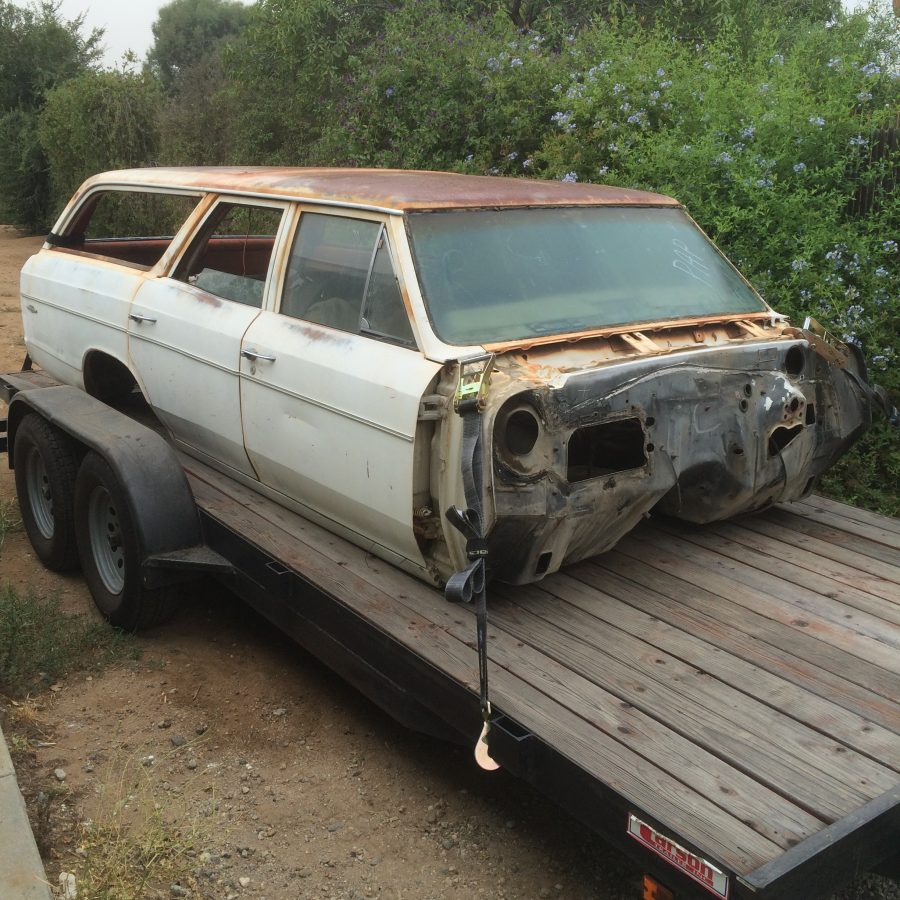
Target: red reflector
point(653, 890)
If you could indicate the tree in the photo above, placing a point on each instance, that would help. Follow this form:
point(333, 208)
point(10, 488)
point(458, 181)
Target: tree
point(38, 50)
point(98, 121)
point(188, 31)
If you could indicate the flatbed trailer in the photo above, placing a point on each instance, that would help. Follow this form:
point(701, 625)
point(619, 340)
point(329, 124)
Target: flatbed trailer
point(721, 703)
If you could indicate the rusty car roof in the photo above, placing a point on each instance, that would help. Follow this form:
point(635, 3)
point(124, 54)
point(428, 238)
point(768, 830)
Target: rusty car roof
point(395, 189)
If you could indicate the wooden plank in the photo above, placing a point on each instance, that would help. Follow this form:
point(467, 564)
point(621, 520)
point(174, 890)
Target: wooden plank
point(844, 510)
point(828, 621)
point(650, 787)
point(766, 744)
point(801, 555)
point(678, 808)
point(877, 533)
point(761, 808)
point(855, 683)
point(875, 568)
point(795, 520)
point(776, 570)
point(816, 711)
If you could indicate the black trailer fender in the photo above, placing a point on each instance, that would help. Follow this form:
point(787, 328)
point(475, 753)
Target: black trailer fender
point(157, 491)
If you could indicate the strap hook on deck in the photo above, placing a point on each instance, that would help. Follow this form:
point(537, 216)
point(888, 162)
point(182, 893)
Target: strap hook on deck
point(470, 584)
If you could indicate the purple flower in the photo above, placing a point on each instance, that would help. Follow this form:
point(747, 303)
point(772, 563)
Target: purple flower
point(859, 141)
point(389, 92)
point(834, 63)
point(515, 61)
point(799, 167)
point(512, 156)
point(570, 177)
point(798, 265)
point(748, 131)
point(818, 121)
point(864, 96)
point(764, 182)
point(889, 246)
point(870, 69)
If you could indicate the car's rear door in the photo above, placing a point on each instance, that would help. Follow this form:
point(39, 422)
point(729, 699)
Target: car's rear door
point(331, 382)
point(185, 330)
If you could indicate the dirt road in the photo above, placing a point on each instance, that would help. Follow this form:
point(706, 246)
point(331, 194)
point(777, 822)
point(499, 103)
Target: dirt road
point(282, 774)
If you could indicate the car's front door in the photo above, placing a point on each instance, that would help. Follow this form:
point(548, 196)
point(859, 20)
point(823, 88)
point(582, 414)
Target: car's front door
point(185, 331)
point(331, 383)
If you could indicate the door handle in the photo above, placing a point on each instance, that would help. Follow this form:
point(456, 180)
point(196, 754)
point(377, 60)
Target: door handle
point(253, 355)
point(135, 317)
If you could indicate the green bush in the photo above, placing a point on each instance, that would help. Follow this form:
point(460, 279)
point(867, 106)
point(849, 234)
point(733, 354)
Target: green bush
point(442, 91)
point(771, 149)
point(98, 121)
point(24, 175)
point(39, 643)
point(38, 50)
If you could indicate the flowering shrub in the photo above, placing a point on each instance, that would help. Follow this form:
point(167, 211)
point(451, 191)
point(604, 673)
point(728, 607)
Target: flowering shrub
point(439, 91)
point(771, 150)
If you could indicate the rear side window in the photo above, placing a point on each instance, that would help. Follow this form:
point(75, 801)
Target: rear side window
point(231, 254)
point(131, 227)
point(340, 274)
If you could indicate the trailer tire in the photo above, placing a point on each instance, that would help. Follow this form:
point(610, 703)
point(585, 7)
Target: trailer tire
point(45, 467)
point(111, 553)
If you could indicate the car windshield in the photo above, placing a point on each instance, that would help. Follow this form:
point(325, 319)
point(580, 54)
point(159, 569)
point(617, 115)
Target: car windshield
point(501, 275)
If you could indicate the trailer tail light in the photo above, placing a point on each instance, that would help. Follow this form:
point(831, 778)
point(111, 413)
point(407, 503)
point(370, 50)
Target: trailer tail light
point(653, 890)
point(701, 870)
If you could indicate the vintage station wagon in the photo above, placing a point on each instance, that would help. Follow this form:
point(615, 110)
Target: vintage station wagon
point(306, 330)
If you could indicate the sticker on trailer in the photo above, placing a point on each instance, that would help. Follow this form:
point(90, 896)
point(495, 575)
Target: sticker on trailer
point(702, 871)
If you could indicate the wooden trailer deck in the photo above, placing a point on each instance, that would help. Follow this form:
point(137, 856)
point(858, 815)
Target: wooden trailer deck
point(737, 684)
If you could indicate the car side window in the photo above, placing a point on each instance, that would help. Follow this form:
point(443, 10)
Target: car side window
point(231, 254)
point(340, 274)
point(384, 314)
point(134, 228)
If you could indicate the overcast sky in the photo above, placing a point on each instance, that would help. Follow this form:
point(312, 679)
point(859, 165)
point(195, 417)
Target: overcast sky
point(127, 23)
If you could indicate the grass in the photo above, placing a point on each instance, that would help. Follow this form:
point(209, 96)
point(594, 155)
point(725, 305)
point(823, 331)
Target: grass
point(10, 520)
point(130, 850)
point(40, 643)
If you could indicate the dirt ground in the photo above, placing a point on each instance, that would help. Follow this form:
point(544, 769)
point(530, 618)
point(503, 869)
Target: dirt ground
point(285, 775)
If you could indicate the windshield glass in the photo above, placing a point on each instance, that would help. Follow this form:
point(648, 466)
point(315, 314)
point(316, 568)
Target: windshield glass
point(499, 275)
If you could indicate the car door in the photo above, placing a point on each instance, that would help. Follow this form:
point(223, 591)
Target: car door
point(185, 330)
point(331, 382)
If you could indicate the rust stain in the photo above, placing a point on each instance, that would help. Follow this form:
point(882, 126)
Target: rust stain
point(390, 188)
point(314, 332)
point(696, 325)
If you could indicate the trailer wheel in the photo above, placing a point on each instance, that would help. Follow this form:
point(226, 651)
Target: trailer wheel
point(111, 553)
point(45, 467)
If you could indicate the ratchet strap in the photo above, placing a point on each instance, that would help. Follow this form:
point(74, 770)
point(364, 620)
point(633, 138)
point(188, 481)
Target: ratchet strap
point(469, 585)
